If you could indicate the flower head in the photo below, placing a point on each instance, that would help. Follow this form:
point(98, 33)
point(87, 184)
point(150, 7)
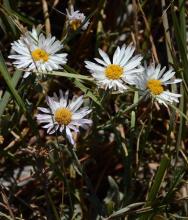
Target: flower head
point(121, 71)
point(64, 114)
point(35, 52)
point(153, 82)
point(76, 19)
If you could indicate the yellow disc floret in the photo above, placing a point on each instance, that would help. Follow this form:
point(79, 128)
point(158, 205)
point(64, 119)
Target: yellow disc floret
point(75, 24)
point(63, 116)
point(40, 54)
point(155, 86)
point(113, 71)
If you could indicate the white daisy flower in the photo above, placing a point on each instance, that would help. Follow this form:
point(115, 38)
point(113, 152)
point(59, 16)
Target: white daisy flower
point(64, 115)
point(153, 82)
point(34, 52)
point(76, 19)
point(123, 68)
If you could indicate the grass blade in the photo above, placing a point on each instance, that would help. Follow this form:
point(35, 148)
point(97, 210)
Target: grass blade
point(6, 97)
point(156, 183)
point(181, 43)
point(13, 91)
point(7, 78)
point(70, 75)
point(87, 92)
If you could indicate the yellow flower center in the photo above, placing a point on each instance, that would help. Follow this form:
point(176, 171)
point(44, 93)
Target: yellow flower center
point(1, 139)
point(75, 24)
point(39, 54)
point(155, 86)
point(113, 71)
point(63, 116)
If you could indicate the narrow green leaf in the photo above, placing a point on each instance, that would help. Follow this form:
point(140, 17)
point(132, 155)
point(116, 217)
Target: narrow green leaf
point(124, 210)
point(156, 184)
point(182, 122)
point(6, 97)
point(158, 179)
point(13, 91)
point(178, 110)
point(180, 42)
point(133, 114)
point(53, 207)
point(87, 92)
point(182, 21)
point(70, 75)
point(7, 78)
point(175, 181)
point(6, 6)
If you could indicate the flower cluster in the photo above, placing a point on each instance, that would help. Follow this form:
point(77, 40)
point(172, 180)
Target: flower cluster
point(153, 82)
point(125, 70)
point(75, 19)
point(120, 72)
point(34, 52)
point(64, 114)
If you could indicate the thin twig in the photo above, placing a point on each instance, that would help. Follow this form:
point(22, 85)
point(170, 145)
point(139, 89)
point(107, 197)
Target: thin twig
point(46, 17)
point(154, 51)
